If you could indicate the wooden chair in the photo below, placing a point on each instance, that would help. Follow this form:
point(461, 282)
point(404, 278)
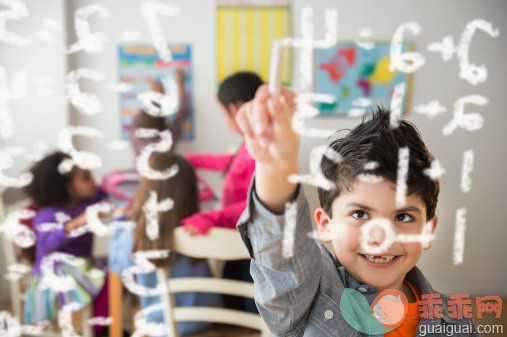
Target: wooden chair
point(15, 286)
point(219, 244)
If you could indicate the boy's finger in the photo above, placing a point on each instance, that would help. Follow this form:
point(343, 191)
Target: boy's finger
point(262, 94)
point(279, 110)
point(257, 145)
point(242, 120)
point(290, 96)
point(259, 118)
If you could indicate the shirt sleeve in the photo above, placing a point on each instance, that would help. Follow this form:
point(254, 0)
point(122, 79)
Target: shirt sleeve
point(49, 241)
point(226, 217)
point(175, 125)
point(215, 162)
point(285, 280)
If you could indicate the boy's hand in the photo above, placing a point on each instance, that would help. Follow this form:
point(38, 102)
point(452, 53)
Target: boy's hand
point(266, 123)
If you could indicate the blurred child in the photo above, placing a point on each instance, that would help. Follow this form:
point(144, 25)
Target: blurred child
point(232, 93)
point(60, 196)
point(145, 120)
point(182, 189)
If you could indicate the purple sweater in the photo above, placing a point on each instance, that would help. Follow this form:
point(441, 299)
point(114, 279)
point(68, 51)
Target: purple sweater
point(48, 242)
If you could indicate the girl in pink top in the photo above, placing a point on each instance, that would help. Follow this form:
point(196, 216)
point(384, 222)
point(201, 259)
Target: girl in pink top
point(238, 171)
point(239, 168)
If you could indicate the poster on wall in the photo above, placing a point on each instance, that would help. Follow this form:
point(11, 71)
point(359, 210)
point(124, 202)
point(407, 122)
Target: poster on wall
point(358, 78)
point(142, 70)
point(246, 31)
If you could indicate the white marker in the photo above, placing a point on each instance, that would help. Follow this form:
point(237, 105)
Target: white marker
point(16, 10)
point(151, 209)
point(435, 171)
point(396, 104)
point(143, 266)
point(468, 166)
point(471, 121)
point(408, 62)
point(459, 236)
point(446, 47)
point(85, 103)
point(150, 10)
point(165, 143)
point(90, 42)
point(470, 72)
point(65, 319)
point(365, 33)
point(20, 234)
point(50, 28)
point(402, 176)
point(6, 162)
point(432, 109)
point(305, 109)
point(275, 68)
point(83, 159)
point(289, 230)
point(316, 178)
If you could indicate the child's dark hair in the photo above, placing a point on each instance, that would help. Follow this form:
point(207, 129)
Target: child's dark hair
point(376, 141)
point(49, 186)
point(147, 121)
point(238, 88)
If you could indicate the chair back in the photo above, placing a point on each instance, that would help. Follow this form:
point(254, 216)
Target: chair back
point(221, 244)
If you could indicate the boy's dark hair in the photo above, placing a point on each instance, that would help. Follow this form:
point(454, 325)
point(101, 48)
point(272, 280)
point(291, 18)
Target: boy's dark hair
point(376, 141)
point(49, 186)
point(238, 88)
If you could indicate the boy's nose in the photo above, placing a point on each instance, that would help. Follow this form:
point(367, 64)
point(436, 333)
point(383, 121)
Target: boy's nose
point(377, 235)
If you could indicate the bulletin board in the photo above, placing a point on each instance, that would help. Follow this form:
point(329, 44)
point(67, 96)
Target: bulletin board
point(142, 69)
point(352, 73)
point(246, 31)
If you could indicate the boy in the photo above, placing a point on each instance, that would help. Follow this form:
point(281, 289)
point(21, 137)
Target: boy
point(313, 292)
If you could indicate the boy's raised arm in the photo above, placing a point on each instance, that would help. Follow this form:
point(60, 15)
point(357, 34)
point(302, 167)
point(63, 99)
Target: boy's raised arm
point(270, 139)
point(286, 273)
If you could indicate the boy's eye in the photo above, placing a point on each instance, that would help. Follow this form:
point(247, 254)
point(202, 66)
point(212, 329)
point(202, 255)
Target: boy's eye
point(404, 218)
point(362, 215)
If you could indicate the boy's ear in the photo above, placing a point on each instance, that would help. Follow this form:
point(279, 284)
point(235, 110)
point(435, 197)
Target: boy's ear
point(434, 223)
point(323, 224)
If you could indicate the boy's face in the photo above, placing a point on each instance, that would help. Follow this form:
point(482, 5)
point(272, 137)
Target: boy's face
point(373, 201)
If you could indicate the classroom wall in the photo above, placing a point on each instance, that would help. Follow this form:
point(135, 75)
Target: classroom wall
point(36, 118)
point(483, 271)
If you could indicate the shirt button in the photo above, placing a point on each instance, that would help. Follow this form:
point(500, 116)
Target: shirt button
point(362, 289)
point(328, 314)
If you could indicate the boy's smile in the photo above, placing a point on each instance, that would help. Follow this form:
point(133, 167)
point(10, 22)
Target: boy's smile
point(375, 202)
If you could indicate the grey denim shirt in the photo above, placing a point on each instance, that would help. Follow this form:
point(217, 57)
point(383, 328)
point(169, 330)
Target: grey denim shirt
point(300, 296)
